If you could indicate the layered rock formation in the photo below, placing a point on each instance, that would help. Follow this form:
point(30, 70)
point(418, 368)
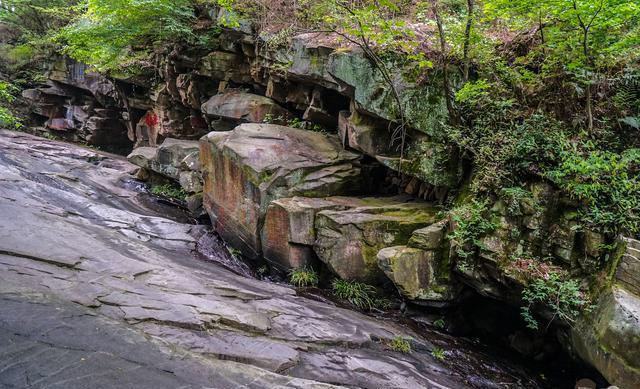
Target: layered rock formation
point(280, 192)
point(80, 105)
point(247, 168)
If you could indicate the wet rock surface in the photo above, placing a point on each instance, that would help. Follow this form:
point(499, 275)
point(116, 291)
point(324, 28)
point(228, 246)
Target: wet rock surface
point(99, 290)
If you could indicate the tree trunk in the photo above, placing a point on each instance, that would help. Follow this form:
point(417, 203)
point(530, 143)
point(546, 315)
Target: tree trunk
point(467, 41)
point(445, 70)
point(585, 48)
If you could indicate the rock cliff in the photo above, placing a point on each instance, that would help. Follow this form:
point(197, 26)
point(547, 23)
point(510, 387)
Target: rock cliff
point(296, 161)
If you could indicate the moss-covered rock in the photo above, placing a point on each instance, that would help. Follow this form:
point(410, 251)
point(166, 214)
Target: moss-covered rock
point(609, 337)
point(429, 238)
point(420, 275)
point(348, 241)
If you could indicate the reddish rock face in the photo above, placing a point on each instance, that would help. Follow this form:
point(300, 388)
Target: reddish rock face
point(247, 168)
point(289, 233)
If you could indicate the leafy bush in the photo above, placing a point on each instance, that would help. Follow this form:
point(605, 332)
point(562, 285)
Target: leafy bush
point(561, 295)
point(303, 276)
point(400, 344)
point(7, 119)
point(359, 294)
point(169, 190)
point(607, 184)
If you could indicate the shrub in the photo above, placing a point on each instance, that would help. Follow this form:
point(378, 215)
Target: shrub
point(561, 295)
point(607, 184)
point(359, 294)
point(400, 344)
point(7, 119)
point(303, 276)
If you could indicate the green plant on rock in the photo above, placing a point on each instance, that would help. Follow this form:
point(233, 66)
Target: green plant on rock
point(472, 221)
point(359, 294)
point(303, 276)
point(607, 184)
point(169, 190)
point(563, 296)
point(400, 344)
point(438, 353)
point(514, 197)
point(440, 323)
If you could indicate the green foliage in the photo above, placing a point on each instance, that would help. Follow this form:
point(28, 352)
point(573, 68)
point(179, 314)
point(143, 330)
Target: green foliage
point(438, 353)
point(303, 276)
point(373, 23)
point(400, 344)
point(473, 92)
point(293, 123)
point(606, 183)
point(169, 190)
point(359, 294)
point(562, 296)
point(440, 323)
point(472, 221)
point(110, 34)
point(514, 197)
point(7, 96)
point(507, 141)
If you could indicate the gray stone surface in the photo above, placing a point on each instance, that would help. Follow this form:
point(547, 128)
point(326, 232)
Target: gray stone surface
point(244, 170)
point(99, 291)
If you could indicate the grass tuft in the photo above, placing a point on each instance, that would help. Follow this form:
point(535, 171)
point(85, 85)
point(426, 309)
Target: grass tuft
point(438, 353)
point(303, 276)
point(400, 344)
point(359, 294)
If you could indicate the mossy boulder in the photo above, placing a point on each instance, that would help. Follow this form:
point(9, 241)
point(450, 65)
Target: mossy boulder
point(348, 241)
point(430, 237)
point(247, 168)
point(420, 275)
point(609, 337)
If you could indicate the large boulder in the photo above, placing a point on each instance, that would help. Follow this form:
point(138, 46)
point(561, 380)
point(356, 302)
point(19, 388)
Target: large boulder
point(348, 241)
point(242, 106)
point(142, 156)
point(177, 160)
point(170, 156)
point(420, 275)
point(609, 337)
point(247, 168)
point(289, 233)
